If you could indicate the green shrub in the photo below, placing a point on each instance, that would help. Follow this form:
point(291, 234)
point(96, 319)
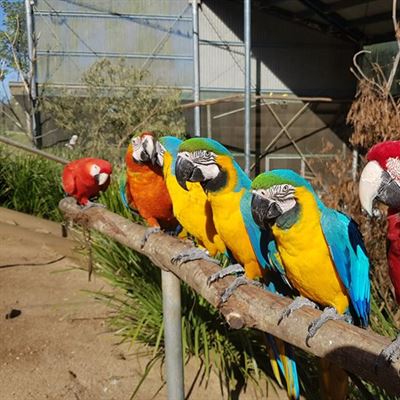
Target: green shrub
point(30, 184)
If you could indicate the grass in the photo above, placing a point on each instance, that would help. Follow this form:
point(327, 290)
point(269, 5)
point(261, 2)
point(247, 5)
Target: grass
point(32, 185)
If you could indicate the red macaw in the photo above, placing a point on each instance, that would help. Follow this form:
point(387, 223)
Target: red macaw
point(85, 178)
point(380, 180)
point(144, 188)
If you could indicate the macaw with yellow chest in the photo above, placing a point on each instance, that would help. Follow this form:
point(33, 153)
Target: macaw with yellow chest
point(190, 207)
point(380, 181)
point(143, 188)
point(227, 187)
point(321, 250)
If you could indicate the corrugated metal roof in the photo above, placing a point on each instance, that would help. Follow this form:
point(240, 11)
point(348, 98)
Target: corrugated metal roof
point(363, 21)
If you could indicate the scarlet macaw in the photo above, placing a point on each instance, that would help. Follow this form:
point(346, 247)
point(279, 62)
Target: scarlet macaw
point(85, 178)
point(380, 180)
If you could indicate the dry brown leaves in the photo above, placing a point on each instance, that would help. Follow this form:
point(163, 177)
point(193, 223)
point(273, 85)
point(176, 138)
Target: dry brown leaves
point(374, 114)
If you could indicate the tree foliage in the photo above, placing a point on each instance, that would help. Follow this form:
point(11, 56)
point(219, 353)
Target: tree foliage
point(117, 102)
point(13, 40)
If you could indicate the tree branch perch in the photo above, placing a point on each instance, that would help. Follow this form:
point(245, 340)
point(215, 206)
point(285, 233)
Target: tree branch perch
point(350, 347)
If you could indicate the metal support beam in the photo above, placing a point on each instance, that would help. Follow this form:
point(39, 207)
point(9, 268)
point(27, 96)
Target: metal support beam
point(209, 126)
point(171, 291)
point(35, 116)
point(247, 84)
point(196, 66)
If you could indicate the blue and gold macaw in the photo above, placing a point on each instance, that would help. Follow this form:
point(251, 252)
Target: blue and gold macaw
point(321, 249)
point(227, 187)
point(190, 207)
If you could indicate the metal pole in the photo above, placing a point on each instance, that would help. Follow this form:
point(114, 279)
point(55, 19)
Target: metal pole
point(171, 291)
point(35, 117)
point(196, 65)
point(247, 84)
point(209, 129)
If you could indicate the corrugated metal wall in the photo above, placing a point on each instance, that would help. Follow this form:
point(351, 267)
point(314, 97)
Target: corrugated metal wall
point(286, 57)
point(151, 33)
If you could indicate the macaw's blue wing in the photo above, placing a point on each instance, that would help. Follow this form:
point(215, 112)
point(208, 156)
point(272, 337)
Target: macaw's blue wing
point(267, 255)
point(259, 238)
point(262, 241)
point(350, 258)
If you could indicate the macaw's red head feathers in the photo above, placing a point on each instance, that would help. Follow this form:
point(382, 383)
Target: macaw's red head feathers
point(380, 178)
point(144, 148)
point(99, 169)
point(387, 154)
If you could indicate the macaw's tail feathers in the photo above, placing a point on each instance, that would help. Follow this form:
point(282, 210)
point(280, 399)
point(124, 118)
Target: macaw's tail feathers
point(283, 363)
point(122, 189)
point(334, 381)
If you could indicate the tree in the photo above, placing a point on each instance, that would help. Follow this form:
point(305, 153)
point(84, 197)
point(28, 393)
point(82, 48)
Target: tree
point(13, 39)
point(117, 102)
point(15, 58)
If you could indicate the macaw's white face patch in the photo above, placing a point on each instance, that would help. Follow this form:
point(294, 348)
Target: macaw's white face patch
point(283, 195)
point(94, 170)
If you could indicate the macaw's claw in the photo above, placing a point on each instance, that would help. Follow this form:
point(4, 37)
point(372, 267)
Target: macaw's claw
point(192, 255)
point(148, 233)
point(91, 204)
point(391, 353)
point(296, 304)
point(239, 281)
point(329, 313)
point(229, 270)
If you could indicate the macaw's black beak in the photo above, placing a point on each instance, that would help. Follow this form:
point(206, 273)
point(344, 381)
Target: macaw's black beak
point(389, 192)
point(377, 184)
point(149, 150)
point(183, 171)
point(264, 212)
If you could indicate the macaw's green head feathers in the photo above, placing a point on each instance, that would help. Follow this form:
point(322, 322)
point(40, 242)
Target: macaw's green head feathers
point(274, 197)
point(204, 144)
point(198, 161)
point(167, 144)
point(275, 177)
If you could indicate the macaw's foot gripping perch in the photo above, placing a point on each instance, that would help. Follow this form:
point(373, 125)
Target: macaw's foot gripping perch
point(239, 281)
point(148, 233)
point(296, 304)
point(329, 313)
point(392, 352)
point(192, 255)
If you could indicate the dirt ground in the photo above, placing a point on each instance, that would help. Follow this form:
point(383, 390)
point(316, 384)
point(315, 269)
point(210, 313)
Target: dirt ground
point(59, 347)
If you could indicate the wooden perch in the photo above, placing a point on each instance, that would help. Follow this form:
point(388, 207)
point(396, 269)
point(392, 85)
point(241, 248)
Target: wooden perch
point(40, 153)
point(350, 347)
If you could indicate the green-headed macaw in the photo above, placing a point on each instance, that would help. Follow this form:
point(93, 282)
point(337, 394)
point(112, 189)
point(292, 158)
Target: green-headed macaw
point(227, 187)
point(321, 249)
point(190, 207)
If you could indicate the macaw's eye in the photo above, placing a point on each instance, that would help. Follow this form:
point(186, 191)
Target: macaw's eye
point(286, 187)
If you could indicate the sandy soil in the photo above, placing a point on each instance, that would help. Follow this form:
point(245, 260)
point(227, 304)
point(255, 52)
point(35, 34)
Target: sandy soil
point(59, 347)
